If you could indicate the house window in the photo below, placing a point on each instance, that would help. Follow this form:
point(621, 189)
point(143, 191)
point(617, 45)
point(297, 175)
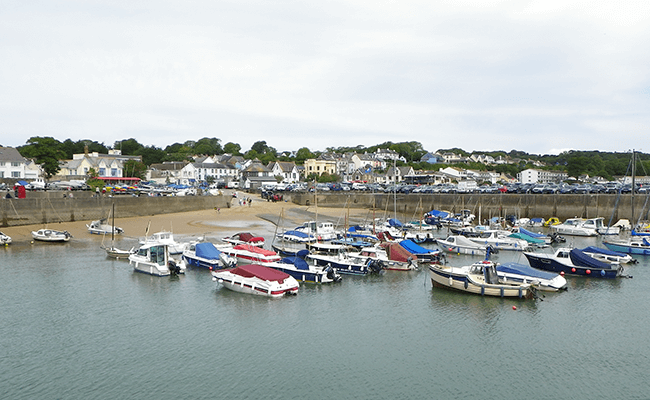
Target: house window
point(102, 171)
point(2, 174)
point(15, 164)
point(113, 171)
point(15, 174)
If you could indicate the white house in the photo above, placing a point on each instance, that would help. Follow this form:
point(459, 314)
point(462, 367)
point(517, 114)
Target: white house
point(540, 176)
point(287, 170)
point(12, 164)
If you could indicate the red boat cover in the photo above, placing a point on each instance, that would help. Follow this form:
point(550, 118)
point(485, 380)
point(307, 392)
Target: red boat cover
point(255, 249)
point(248, 237)
point(396, 252)
point(260, 271)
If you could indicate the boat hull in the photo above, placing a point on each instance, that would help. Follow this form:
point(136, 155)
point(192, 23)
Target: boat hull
point(568, 268)
point(443, 277)
point(636, 249)
point(255, 287)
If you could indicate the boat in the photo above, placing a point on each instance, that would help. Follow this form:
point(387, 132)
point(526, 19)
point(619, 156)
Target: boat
point(601, 228)
point(460, 244)
point(551, 222)
point(521, 273)
point(500, 240)
point(5, 239)
point(50, 235)
point(640, 246)
point(576, 227)
point(245, 238)
point(479, 278)
point(320, 230)
point(573, 262)
point(101, 227)
point(249, 253)
point(206, 255)
point(113, 251)
point(420, 253)
point(154, 259)
point(608, 256)
point(390, 255)
point(344, 263)
point(258, 280)
point(296, 236)
point(302, 271)
point(166, 238)
point(548, 239)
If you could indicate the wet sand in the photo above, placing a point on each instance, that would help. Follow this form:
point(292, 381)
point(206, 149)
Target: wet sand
point(261, 217)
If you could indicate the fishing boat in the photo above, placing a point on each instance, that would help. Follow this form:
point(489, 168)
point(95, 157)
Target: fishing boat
point(573, 262)
point(576, 227)
point(521, 273)
point(320, 230)
point(166, 238)
point(257, 280)
point(302, 271)
point(206, 255)
point(5, 239)
point(50, 235)
point(460, 244)
point(479, 278)
point(249, 253)
point(154, 259)
point(245, 238)
point(636, 245)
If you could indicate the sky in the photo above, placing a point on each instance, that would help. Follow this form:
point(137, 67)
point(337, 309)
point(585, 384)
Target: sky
point(540, 76)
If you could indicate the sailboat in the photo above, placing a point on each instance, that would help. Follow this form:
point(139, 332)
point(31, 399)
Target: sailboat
point(113, 251)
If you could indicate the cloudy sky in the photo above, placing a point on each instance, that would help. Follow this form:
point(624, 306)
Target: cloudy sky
point(541, 77)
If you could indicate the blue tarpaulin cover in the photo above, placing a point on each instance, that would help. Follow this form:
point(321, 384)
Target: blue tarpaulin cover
point(298, 262)
point(522, 269)
point(207, 251)
point(414, 248)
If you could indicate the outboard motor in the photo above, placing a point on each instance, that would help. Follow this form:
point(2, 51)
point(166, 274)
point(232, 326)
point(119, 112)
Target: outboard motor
point(331, 274)
point(174, 269)
point(227, 261)
point(375, 266)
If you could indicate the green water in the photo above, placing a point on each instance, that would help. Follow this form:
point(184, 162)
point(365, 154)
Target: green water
point(76, 325)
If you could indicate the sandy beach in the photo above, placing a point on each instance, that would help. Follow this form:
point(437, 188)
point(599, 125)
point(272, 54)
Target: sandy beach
point(261, 217)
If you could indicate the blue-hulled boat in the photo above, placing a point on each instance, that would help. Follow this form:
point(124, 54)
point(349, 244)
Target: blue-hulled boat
point(304, 272)
point(205, 255)
point(573, 262)
point(633, 246)
point(608, 256)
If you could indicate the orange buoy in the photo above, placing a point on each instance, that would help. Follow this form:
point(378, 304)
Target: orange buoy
point(573, 270)
point(514, 307)
point(588, 271)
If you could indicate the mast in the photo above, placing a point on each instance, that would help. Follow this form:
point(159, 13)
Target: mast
point(633, 186)
point(395, 188)
point(113, 227)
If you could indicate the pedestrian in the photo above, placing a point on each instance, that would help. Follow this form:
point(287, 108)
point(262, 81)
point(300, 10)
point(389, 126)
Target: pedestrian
point(250, 201)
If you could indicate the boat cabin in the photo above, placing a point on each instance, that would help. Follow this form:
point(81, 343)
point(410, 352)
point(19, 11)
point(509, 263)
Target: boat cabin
point(487, 269)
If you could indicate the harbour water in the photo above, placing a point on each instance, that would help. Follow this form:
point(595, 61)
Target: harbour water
point(74, 324)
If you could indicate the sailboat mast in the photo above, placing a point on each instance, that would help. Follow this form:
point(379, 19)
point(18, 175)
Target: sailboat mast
point(633, 185)
point(113, 225)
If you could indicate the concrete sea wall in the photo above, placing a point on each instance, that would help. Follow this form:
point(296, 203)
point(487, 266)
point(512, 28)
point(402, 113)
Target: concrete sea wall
point(562, 206)
point(50, 207)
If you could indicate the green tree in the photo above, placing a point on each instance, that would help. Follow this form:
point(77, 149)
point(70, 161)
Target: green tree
point(260, 147)
point(303, 154)
point(129, 147)
point(46, 151)
point(134, 169)
point(232, 148)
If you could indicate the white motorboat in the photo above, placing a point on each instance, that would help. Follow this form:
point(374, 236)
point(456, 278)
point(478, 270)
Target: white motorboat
point(5, 239)
point(460, 244)
point(166, 238)
point(50, 235)
point(520, 273)
point(500, 240)
point(154, 259)
point(258, 280)
point(576, 227)
point(206, 255)
point(390, 256)
point(245, 238)
point(302, 271)
point(101, 227)
point(601, 228)
point(320, 230)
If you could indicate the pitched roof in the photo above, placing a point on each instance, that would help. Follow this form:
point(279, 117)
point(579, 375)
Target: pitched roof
point(10, 154)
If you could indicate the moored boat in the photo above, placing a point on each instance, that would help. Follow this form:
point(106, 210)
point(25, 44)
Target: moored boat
point(478, 278)
point(154, 259)
point(244, 238)
point(520, 273)
point(51, 235)
point(460, 244)
point(5, 239)
point(630, 246)
point(573, 262)
point(206, 255)
point(576, 227)
point(101, 227)
point(250, 254)
point(302, 271)
point(166, 238)
point(608, 256)
point(257, 280)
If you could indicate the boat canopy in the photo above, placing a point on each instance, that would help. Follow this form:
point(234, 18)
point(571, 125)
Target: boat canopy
point(299, 234)
point(255, 249)
point(537, 220)
point(587, 261)
point(297, 262)
point(531, 234)
point(207, 250)
point(598, 250)
point(522, 269)
point(529, 239)
point(396, 252)
point(248, 237)
point(414, 248)
point(438, 214)
point(260, 271)
point(395, 223)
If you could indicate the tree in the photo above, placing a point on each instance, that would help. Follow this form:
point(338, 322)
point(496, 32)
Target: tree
point(260, 147)
point(303, 154)
point(46, 151)
point(129, 147)
point(208, 146)
point(134, 169)
point(151, 155)
point(232, 148)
